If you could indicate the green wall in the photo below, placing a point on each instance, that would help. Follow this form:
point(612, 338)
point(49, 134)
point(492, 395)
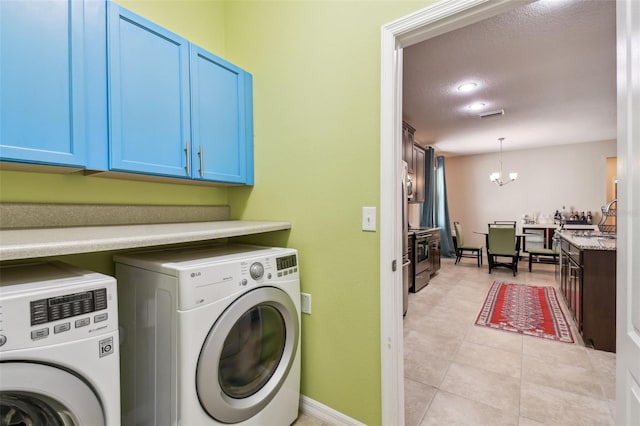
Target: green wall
point(200, 21)
point(76, 188)
point(316, 68)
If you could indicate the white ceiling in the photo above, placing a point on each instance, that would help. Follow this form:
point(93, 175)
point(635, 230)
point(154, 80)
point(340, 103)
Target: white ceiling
point(551, 65)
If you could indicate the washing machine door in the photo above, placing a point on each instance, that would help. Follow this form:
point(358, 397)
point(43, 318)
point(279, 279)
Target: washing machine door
point(247, 355)
point(39, 394)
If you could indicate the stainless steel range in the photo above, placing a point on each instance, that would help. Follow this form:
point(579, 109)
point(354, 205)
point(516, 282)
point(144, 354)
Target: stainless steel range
point(426, 256)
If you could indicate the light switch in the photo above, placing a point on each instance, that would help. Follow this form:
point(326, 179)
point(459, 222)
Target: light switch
point(368, 218)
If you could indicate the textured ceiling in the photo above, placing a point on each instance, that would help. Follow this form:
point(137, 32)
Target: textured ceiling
point(550, 65)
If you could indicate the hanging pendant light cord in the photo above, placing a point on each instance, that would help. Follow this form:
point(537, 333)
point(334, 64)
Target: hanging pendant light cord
point(501, 139)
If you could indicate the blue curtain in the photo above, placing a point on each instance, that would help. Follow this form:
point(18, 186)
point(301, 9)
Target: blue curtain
point(442, 211)
point(427, 219)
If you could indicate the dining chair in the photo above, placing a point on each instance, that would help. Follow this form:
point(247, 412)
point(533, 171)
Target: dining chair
point(502, 242)
point(462, 248)
point(544, 255)
point(505, 223)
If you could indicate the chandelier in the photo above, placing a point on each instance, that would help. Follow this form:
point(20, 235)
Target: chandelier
point(496, 177)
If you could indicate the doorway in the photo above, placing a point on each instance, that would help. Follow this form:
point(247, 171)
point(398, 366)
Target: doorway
point(437, 19)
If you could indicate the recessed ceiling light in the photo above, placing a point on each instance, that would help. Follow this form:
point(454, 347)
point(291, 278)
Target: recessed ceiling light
point(476, 106)
point(467, 87)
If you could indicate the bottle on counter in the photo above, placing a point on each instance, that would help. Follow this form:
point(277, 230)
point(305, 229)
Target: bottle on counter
point(583, 217)
point(557, 218)
point(589, 218)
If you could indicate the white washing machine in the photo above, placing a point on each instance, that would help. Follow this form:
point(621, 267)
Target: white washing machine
point(211, 336)
point(59, 357)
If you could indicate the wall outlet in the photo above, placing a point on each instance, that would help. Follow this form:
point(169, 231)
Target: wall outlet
point(305, 303)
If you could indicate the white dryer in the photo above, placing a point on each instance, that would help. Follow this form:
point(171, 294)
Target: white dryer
point(59, 357)
point(211, 336)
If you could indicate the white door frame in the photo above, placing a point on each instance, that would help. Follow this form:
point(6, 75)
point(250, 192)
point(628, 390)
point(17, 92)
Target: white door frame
point(628, 220)
point(432, 21)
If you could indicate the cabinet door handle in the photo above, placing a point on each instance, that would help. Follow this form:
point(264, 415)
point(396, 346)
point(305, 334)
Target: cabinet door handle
point(187, 151)
point(201, 155)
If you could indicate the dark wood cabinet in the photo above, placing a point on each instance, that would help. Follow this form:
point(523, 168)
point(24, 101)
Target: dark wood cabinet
point(564, 281)
point(414, 155)
point(408, 133)
point(575, 284)
point(571, 281)
point(599, 299)
point(419, 178)
point(588, 285)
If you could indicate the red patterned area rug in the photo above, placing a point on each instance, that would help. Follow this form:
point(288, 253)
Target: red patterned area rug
point(525, 309)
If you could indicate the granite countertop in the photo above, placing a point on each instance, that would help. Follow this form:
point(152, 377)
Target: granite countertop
point(41, 242)
point(567, 226)
point(589, 240)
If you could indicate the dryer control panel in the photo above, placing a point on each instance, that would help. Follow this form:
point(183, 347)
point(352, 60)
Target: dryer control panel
point(207, 274)
point(204, 283)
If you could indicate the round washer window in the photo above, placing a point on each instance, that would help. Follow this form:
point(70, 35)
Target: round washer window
point(252, 351)
point(247, 355)
point(26, 408)
point(40, 394)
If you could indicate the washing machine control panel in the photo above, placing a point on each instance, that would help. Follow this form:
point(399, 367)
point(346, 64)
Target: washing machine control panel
point(32, 321)
point(68, 305)
point(45, 304)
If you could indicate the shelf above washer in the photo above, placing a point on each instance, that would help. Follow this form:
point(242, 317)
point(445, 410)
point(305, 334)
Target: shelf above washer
point(42, 242)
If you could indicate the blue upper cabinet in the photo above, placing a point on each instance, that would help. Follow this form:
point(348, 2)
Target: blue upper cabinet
point(89, 84)
point(220, 92)
point(52, 81)
point(175, 109)
point(149, 97)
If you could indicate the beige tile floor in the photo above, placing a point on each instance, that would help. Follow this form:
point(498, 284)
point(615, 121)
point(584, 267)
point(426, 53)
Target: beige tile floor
point(457, 373)
point(460, 373)
point(305, 420)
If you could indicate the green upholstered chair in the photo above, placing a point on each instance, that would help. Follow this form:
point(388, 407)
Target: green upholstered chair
point(504, 223)
point(502, 243)
point(465, 250)
point(542, 255)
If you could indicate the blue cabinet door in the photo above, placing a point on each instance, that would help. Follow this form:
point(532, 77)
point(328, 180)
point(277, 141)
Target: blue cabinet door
point(221, 119)
point(53, 93)
point(149, 117)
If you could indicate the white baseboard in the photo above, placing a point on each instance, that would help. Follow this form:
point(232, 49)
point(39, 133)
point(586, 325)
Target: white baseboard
point(327, 414)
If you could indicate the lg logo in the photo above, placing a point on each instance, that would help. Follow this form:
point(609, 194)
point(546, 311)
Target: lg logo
point(196, 274)
point(106, 347)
